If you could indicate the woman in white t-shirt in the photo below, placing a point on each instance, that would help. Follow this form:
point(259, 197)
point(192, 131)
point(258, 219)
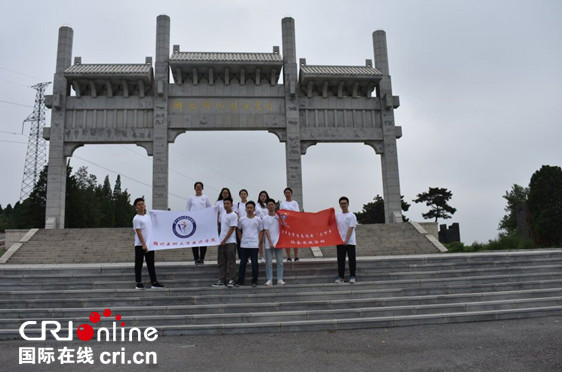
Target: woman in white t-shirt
point(261, 204)
point(240, 207)
point(194, 203)
point(225, 193)
point(291, 205)
point(261, 212)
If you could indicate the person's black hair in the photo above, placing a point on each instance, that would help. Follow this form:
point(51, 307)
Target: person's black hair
point(251, 203)
point(198, 182)
point(138, 200)
point(344, 198)
point(228, 198)
point(270, 200)
point(288, 188)
point(263, 204)
point(240, 192)
point(220, 193)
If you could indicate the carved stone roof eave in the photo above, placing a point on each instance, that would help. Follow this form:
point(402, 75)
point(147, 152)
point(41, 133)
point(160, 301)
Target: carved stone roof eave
point(208, 59)
point(116, 72)
point(339, 73)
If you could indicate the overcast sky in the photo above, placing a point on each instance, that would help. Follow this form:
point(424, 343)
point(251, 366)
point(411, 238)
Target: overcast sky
point(480, 86)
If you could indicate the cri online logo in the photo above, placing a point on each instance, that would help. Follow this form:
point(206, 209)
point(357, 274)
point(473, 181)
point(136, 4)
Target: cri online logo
point(85, 332)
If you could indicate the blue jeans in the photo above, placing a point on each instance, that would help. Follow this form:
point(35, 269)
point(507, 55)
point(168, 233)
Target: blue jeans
point(269, 263)
point(246, 253)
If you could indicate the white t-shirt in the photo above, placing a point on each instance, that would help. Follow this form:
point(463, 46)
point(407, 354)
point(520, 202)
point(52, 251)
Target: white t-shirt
point(290, 205)
point(345, 221)
point(241, 209)
point(251, 228)
point(228, 220)
point(271, 224)
point(261, 212)
point(195, 203)
point(142, 223)
point(222, 211)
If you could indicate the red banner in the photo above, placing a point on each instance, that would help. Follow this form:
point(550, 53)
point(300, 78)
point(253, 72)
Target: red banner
point(304, 230)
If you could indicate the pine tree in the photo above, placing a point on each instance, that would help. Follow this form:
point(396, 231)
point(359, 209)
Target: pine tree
point(124, 212)
point(105, 196)
point(437, 199)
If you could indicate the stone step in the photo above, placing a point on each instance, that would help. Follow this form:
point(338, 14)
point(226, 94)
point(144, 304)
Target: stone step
point(391, 291)
point(339, 324)
point(302, 282)
point(292, 305)
point(452, 260)
point(115, 245)
point(260, 294)
point(192, 277)
point(201, 287)
point(278, 315)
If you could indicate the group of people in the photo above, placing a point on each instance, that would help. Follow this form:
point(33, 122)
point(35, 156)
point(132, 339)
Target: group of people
point(248, 229)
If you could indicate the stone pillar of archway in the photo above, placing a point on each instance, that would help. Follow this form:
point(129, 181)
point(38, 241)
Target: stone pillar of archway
point(389, 156)
point(160, 133)
point(56, 178)
point(290, 82)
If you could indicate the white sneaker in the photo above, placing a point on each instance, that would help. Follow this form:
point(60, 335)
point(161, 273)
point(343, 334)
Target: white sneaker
point(280, 282)
point(352, 279)
point(269, 283)
point(340, 281)
point(262, 260)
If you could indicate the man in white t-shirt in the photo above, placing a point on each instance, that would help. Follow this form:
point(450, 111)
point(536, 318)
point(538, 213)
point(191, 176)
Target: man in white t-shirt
point(249, 233)
point(141, 226)
point(196, 202)
point(346, 226)
point(270, 230)
point(240, 209)
point(227, 247)
point(290, 205)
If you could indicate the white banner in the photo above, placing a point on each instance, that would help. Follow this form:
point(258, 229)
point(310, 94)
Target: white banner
point(171, 229)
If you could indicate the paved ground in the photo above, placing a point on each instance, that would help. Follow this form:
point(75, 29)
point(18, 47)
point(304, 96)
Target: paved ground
point(516, 345)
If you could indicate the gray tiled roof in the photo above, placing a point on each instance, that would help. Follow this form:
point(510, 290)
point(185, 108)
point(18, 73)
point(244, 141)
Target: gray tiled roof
point(109, 69)
point(235, 58)
point(339, 71)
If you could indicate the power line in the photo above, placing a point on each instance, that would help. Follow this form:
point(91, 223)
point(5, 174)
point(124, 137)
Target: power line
point(20, 73)
point(124, 175)
point(14, 103)
point(170, 168)
point(113, 171)
point(17, 134)
point(212, 168)
point(14, 82)
point(25, 143)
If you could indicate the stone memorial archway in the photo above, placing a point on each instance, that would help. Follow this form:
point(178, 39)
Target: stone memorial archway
point(137, 104)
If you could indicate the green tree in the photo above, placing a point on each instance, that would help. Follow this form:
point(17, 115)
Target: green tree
point(6, 218)
point(545, 206)
point(436, 198)
point(88, 204)
point(82, 208)
point(124, 211)
point(105, 197)
point(516, 200)
point(38, 201)
point(373, 212)
point(19, 216)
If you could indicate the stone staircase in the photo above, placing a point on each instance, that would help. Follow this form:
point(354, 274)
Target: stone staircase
point(106, 245)
point(391, 291)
